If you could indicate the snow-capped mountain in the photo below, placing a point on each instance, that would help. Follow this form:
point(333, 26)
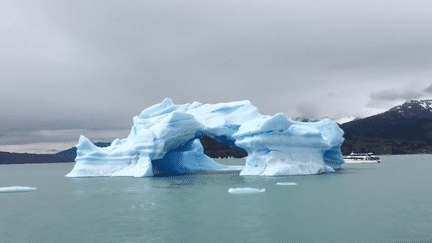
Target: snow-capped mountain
point(407, 127)
point(408, 120)
point(420, 108)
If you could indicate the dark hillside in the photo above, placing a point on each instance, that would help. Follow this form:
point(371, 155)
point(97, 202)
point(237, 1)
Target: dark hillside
point(404, 129)
point(212, 148)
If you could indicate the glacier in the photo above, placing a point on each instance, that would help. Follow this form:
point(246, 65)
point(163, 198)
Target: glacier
point(164, 140)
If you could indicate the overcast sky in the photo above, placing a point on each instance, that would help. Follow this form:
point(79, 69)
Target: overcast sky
point(87, 67)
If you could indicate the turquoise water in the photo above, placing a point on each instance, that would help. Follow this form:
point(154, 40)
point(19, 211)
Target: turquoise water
point(387, 202)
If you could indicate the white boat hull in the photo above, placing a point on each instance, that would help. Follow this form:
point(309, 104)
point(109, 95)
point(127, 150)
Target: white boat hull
point(361, 158)
point(360, 161)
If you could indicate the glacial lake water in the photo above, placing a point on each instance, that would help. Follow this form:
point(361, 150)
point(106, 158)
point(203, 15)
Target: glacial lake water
point(386, 202)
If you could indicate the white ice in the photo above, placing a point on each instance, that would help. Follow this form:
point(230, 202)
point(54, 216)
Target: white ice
point(164, 139)
point(286, 183)
point(16, 189)
point(244, 190)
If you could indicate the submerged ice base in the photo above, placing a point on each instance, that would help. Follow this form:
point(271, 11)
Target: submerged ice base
point(164, 140)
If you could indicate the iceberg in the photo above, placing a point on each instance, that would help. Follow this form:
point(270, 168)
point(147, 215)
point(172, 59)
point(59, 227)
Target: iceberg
point(244, 190)
point(164, 140)
point(16, 189)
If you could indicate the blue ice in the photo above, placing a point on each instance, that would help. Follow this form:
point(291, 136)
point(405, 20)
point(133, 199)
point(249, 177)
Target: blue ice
point(164, 139)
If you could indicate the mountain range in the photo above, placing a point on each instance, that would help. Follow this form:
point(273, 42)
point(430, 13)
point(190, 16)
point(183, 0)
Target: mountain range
point(212, 148)
point(338, 121)
point(403, 129)
point(26, 158)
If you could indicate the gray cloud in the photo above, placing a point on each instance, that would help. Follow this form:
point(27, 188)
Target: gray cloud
point(93, 65)
point(428, 89)
point(396, 95)
point(307, 111)
point(22, 137)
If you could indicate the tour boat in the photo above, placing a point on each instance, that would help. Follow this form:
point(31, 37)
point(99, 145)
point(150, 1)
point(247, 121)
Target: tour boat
point(354, 158)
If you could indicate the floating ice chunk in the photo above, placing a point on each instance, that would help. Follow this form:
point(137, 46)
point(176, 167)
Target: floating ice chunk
point(286, 184)
point(16, 189)
point(244, 190)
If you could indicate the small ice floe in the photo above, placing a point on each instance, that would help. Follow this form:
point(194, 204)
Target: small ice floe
point(286, 184)
point(245, 190)
point(153, 204)
point(16, 189)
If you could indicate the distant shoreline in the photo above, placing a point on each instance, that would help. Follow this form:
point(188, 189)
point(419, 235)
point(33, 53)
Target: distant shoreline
point(7, 158)
point(26, 158)
point(215, 150)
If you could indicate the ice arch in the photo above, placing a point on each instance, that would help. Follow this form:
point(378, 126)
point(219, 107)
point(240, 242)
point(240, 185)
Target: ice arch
point(164, 139)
